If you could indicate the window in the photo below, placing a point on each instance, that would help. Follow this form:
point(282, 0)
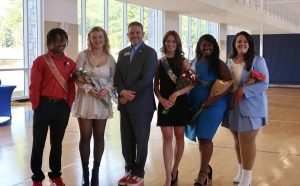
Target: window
point(192, 29)
point(115, 26)
point(11, 45)
point(133, 13)
point(117, 16)
point(95, 14)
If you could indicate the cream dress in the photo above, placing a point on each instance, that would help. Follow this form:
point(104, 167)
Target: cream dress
point(85, 105)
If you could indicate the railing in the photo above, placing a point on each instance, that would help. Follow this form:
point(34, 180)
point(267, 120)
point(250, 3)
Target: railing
point(273, 8)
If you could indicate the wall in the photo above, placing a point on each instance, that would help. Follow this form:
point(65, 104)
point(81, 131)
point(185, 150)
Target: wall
point(62, 14)
point(171, 21)
point(60, 11)
point(281, 52)
point(72, 30)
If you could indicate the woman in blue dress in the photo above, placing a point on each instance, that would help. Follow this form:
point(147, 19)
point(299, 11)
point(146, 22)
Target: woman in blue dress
point(208, 68)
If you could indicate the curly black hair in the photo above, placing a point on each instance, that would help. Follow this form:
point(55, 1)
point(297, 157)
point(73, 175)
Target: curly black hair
point(249, 56)
point(51, 36)
point(214, 58)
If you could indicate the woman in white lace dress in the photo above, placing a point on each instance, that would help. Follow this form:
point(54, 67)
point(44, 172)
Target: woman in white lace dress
point(91, 107)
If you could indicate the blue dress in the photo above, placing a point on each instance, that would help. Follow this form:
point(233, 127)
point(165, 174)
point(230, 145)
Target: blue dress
point(209, 120)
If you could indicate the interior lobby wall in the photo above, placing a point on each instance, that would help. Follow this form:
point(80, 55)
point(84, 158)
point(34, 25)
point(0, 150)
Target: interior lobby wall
point(62, 14)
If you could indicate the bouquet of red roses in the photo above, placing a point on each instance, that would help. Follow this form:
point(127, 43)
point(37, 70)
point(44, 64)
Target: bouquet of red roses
point(254, 77)
point(186, 78)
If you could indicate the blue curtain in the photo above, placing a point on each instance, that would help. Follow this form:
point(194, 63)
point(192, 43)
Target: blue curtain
point(282, 55)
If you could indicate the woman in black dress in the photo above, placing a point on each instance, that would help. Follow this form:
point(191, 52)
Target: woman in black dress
point(174, 100)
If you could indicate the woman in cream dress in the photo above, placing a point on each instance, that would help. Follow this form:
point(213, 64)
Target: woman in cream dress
point(89, 105)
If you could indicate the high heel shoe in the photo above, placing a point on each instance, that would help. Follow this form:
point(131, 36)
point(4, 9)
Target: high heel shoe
point(200, 184)
point(209, 172)
point(174, 179)
point(203, 174)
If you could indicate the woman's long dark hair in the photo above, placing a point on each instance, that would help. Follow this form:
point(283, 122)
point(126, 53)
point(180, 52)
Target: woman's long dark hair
point(214, 58)
point(249, 56)
point(179, 54)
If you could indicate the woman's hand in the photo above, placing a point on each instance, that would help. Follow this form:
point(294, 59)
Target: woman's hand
point(207, 103)
point(166, 103)
point(102, 93)
point(238, 96)
point(173, 98)
point(93, 92)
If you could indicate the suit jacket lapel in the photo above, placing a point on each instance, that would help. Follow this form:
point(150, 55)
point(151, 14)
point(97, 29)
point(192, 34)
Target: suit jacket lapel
point(127, 55)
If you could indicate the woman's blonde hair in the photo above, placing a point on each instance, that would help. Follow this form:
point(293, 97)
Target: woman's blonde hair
point(106, 47)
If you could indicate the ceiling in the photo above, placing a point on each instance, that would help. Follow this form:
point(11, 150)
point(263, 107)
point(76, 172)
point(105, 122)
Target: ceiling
point(237, 13)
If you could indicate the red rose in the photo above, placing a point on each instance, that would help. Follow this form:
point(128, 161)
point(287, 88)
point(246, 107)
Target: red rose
point(257, 75)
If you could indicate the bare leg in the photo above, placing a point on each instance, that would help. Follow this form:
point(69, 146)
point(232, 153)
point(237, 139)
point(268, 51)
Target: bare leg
point(179, 148)
point(236, 146)
point(247, 148)
point(206, 150)
point(238, 176)
point(167, 133)
point(248, 153)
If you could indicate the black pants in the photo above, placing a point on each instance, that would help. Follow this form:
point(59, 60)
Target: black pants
point(53, 114)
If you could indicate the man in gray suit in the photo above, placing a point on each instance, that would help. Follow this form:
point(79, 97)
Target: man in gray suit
point(136, 67)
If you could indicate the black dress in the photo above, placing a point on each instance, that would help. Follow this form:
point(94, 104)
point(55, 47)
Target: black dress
point(178, 115)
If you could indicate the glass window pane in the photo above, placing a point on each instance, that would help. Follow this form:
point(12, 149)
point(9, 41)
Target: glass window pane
point(149, 26)
point(115, 26)
point(202, 27)
point(194, 37)
point(133, 13)
point(9, 78)
point(184, 34)
point(11, 34)
point(94, 13)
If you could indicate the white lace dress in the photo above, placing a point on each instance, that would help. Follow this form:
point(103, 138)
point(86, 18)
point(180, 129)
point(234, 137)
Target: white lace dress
point(85, 105)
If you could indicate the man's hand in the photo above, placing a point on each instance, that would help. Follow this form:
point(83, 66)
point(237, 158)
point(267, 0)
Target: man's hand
point(128, 94)
point(123, 100)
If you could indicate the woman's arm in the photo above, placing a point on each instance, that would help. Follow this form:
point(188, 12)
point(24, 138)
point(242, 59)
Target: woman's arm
point(165, 103)
point(80, 61)
point(184, 90)
point(223, 74)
